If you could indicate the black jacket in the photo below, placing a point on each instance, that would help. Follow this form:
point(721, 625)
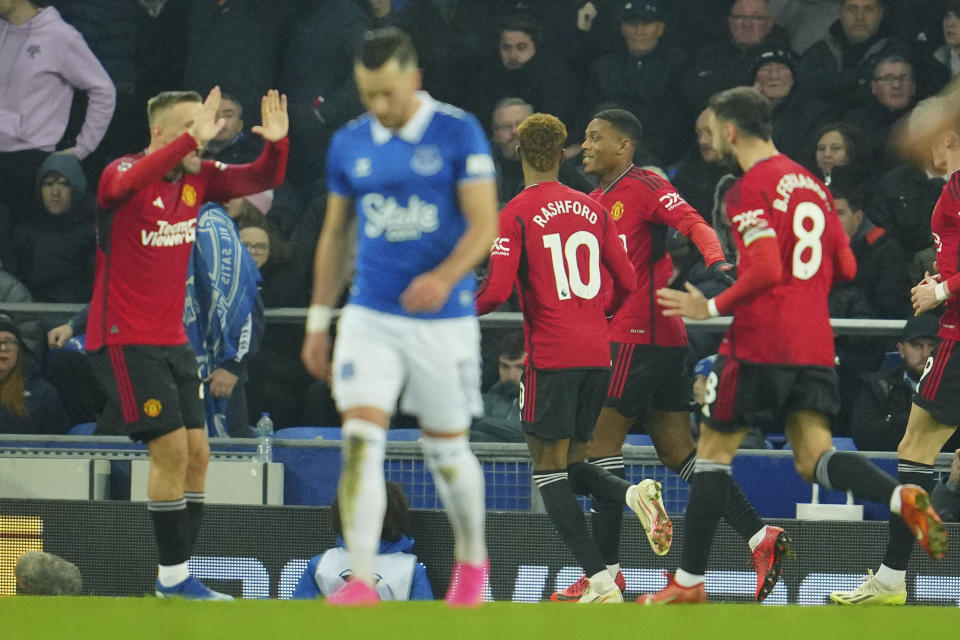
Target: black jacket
point(647, 86)
point(881, 410)
point(696, 181)
point(45, 413)
point(543, 82)
point(318, 62)
point(838, 71)
point(725, 65)
point(883, 273)
point(796, 120)
point(901, 202)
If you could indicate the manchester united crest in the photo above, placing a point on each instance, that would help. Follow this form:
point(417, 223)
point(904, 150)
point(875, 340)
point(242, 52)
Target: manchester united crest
point(189, 195)
point(152, 407)
point(617, 210)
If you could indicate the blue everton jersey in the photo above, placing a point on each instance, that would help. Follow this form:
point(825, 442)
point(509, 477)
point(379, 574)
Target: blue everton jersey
point(404, 187)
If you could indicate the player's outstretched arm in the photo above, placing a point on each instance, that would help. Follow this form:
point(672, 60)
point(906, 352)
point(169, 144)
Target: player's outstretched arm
point(429, 291)
point(329, 265)
point(273, 117)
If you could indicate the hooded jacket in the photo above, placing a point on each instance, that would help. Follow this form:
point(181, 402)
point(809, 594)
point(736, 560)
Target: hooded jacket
point(42, 61)
point(55, 253)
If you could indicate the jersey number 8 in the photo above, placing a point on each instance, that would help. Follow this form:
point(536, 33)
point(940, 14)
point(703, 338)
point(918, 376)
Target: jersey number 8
point(568, 275)
point(807, 239)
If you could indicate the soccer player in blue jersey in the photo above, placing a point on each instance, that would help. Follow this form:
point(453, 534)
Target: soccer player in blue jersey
point(414, 179)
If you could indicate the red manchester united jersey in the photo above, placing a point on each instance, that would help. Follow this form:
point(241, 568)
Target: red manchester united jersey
point(644, 206)
point(945, 226)
point(790, 322)
point(147, 231)
point(553, 241)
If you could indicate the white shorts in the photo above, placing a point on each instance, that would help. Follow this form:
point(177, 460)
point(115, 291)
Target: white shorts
point(432, 366)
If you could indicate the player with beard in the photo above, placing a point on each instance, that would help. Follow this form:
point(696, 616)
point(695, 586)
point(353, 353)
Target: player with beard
point(649, 350)
point(136, 340)
point(774, 360)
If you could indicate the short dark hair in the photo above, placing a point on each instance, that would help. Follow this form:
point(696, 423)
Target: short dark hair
point(511, 345)
point(890, 59)
point(379, 46)
point(167, 99)
point(745, 107)
point(858, 148)
point(232, 98)
point(951, 6)
point(846, 185)
point(623, 122)
point(526, 24)
point(396, 518)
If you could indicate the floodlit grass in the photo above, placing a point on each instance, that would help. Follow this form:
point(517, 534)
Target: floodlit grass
point(23, 618)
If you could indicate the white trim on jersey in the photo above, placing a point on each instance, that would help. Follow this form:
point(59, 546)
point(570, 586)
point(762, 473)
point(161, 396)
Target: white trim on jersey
point(416, 126)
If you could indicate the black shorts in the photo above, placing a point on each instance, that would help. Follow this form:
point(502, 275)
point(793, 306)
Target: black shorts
point(562, 404)
point(742, 395)
point(939, 389)
point(151, 390)
point(648, 376)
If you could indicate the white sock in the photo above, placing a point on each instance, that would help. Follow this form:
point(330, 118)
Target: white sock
point(172, 575)
point(895, 500)
point(459, 479)
point(757, 538)
point(602, 582)
point(890, 577)
point(614, 569)
point(685, 579)
point(362, 494)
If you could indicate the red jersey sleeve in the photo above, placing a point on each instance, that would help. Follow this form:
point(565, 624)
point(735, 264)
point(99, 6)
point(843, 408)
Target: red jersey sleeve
point(747, 209)
point(503, 266)
point(226, 181)
point(672, 210)
point(617, 264)
point(122, 178)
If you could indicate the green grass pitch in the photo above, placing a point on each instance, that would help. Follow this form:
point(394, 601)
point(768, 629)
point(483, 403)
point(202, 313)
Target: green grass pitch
point(25, 618)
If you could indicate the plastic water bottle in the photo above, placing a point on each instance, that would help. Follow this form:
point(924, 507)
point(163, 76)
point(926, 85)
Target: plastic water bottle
point(264, 438)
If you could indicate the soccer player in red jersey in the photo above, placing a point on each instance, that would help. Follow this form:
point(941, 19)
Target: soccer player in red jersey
point(935, 413)
point(136, 341)
point(552, 243)
point(649, 350)
point(773, 359)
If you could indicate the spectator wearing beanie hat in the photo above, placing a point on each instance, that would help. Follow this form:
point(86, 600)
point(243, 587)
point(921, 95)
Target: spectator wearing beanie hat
point(796, 116)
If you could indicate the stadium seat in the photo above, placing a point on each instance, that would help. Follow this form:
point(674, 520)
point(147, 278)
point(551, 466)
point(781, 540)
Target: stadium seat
point(891, 359)
point(308, 433)
point(639, 440)
point(403, 435)
point(844, 444)
point(82, 429)
point(840, 444)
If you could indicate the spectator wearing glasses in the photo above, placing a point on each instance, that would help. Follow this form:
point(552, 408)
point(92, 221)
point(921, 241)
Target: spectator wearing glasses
point(837, 68)
point(894, 92)
point(28, 403)
point(729, 63)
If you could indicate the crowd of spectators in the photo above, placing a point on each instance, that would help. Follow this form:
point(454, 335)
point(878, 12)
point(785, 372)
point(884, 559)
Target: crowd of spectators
point(841, 74)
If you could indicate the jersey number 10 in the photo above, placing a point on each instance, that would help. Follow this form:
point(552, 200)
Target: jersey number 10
point(567, 273)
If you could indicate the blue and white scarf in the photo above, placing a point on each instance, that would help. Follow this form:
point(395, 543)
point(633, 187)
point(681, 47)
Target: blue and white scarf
point(221, 293)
